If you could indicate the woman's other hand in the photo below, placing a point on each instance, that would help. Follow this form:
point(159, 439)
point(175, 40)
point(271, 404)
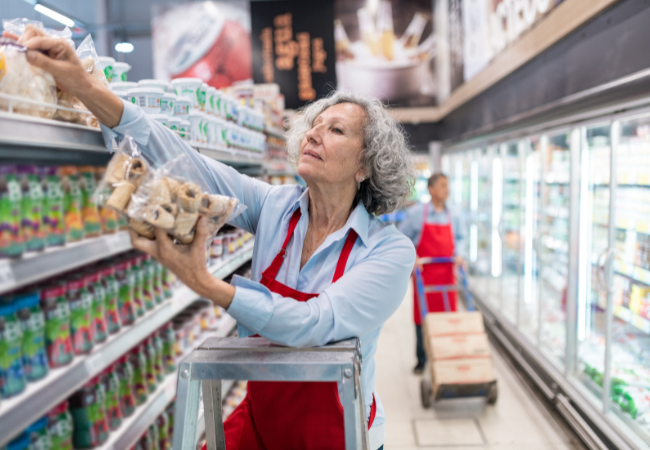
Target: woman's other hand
point(187, 262)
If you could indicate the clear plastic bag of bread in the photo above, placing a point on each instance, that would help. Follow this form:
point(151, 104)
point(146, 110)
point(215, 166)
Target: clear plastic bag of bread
point(90, 61)
point(18, 78)
point(174, 197)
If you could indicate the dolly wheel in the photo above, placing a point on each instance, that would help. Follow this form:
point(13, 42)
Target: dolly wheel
point(492, 394)
point(425, 394)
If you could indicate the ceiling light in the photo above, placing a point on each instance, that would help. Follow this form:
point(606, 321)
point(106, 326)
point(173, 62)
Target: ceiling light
point(68, 22)
point(124, 47)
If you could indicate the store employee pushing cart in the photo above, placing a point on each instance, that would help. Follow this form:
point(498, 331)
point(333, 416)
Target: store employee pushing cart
point(436, 231)
point(324, 267)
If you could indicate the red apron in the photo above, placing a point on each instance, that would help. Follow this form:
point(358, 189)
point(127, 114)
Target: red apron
point(436, 241)
point(291, 415)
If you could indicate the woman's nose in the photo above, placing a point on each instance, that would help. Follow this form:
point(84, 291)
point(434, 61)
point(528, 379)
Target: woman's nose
point(314, 134)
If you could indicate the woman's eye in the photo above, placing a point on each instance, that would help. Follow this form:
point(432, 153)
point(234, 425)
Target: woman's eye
point(337, 130)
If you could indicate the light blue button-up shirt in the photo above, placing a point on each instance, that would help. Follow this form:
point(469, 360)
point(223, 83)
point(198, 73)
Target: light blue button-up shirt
point(358, 304)
point(411, 226)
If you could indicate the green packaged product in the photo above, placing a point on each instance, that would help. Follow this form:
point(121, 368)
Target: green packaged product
point(19, 443)
point(159, 362)
point(158, 288)
point(32, 227)
point(124, 277)
point(72, 203)
point(81, 317)
point(137, 273)
point(124, 371)
point(170, 416)
point(164, 438)
point(89, 211)
point(39, 438)
point(154, 435)
point(122, 222)
point(150, 368)
point(59, 427)
point(168, 283)
point(89, 415)
point(112, 303)
point(11, 341)
point(11, 238)
point(148, 274)
point(96, 288)
point(56, 308)
point(32, 322)
point(146, 442)
point(112, 388)
point(138, 360)
point(168, 338)
point(53, 212)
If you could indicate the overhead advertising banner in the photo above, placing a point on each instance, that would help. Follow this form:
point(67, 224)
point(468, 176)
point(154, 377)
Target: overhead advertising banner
point(293, 46)
point(386, 49)
point(206, 40)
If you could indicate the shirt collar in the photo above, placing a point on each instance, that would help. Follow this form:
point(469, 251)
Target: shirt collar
point(359, 219)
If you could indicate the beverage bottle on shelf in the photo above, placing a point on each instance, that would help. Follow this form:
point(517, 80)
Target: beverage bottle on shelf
point(170, 415)
point(368, 31)
point(158, 287)
point(159, 362)
point(168, 338)
point(12, 374)
point(59, 427)
point(81, 315)
point(99, 313)
point(137, 273)
point(341, 42)
point(412, 35)
point(32, 227)
point(138, 360)
point(122, 222)
point(154, 436)
point(56, 308)
point(149, 274)
point(112, 387)
point(53, 212)
point(39, 438)
point(107, 216)
point(112, 304)
point(164, 438)
point(72, 201)
point(87, 407)
point(11, 239)
point(32, 323)
point(126, 391)
point(124, 277)
point(386, 32)
point(150, 366)
point(168, 283)
point(89, 210)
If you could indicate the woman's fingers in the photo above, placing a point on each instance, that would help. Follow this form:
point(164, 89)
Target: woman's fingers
point(143, 244)
point(200, 236)
point(9, 35)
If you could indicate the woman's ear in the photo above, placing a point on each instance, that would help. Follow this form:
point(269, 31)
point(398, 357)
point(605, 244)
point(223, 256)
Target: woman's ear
point(360, 176)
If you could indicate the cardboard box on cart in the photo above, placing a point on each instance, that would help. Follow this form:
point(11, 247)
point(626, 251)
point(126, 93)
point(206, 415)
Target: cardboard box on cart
point(458, 349)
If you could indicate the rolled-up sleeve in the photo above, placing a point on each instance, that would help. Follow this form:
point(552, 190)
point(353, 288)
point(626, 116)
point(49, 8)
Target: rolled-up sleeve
point(358, 303)
point(159, 145)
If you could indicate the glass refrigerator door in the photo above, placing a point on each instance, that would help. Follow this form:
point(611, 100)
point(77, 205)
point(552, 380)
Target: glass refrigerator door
point(510, 229)
point(630, 344)
point(553, 246)
point(593, 244)
point(480, 230)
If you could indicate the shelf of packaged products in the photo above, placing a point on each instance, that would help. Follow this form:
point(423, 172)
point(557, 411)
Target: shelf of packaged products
point(279, 168)
point(632, 318)
point(630, 270)
point(18, 130)
point(230, 156)
point(135, 426)
point(275, 132)
point(36, 266)
point(17, 413)
point(633, 224)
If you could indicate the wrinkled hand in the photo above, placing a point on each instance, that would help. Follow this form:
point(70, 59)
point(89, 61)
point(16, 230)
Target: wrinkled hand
point(418, 265)
point(187, 262)
point(460, 262)
point(54, 55)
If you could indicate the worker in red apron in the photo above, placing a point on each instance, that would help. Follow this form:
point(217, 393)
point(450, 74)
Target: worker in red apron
point(435, 232)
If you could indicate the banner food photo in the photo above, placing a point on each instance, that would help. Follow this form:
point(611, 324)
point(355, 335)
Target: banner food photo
point(293, 46)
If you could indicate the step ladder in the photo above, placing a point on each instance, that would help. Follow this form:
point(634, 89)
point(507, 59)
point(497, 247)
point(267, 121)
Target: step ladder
point(256, 359)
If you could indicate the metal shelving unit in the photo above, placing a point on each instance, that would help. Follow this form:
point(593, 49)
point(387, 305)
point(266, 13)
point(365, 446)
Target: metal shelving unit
point(18, 412)
point(36, 266)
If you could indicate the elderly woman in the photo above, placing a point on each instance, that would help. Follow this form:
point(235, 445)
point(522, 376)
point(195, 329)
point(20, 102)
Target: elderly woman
point(324, 267)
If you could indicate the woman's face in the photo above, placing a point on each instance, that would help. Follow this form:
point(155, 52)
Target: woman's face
point(329, 152)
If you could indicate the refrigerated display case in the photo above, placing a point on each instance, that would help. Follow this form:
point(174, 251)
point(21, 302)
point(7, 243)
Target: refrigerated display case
point(560, 262)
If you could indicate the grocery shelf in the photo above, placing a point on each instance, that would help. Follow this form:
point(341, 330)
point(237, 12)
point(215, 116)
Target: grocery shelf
point(230, 156)
point(279, 168)
point(630, 270)
point(275, 132)
point(17, 413)
point(36, 266)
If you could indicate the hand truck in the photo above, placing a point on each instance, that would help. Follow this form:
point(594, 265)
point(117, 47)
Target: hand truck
point(259, 360)
point(446, 391)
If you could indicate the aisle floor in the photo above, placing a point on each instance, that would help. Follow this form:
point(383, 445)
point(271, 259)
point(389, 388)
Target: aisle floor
point(519, 420)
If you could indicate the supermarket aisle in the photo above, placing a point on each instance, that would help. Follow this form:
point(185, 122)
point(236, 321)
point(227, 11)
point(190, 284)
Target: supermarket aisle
point(518, 420)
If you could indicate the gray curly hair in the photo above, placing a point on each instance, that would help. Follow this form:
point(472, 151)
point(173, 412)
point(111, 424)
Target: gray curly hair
point(385, 156)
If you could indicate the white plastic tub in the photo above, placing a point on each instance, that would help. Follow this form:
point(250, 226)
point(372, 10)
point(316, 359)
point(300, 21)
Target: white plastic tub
point(161, 118)
point(184, 130)
point(120, 70)
point(188, 87)
point(123, 85)
point(146, 98)
point(107, 64)
point(167, 103)
point(174, 123)
point(158, 84)
point(182, 107)
point(203, 94)
point(196, 119)
point(210, 100)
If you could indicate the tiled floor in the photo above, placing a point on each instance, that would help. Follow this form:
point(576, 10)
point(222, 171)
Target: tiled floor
point(519, 420)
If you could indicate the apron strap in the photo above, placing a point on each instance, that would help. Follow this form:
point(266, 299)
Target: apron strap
point(345, 253)
point(425, 216)
point(272, 271)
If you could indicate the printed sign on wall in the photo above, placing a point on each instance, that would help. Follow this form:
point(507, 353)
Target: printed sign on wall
point(293, 46)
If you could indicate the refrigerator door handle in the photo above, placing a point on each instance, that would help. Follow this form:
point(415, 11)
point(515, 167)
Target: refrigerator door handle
point(608, 268)
point(604, 281)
